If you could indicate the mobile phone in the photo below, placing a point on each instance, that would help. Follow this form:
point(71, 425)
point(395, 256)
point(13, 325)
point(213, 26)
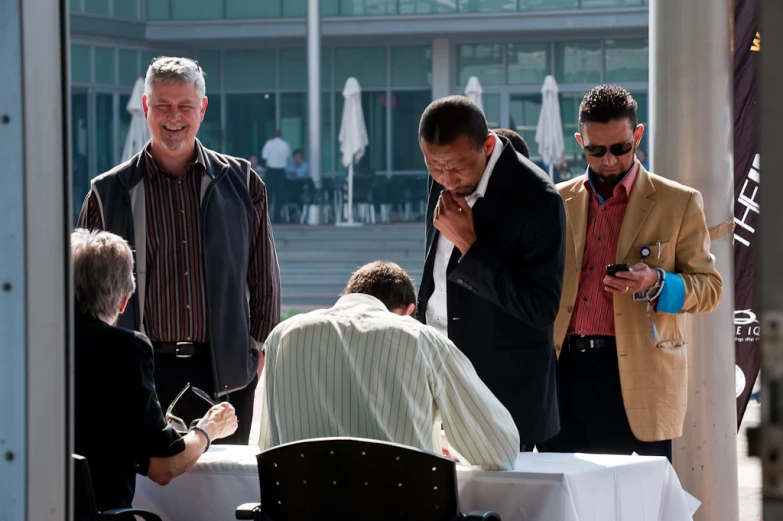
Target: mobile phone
point(612, 269)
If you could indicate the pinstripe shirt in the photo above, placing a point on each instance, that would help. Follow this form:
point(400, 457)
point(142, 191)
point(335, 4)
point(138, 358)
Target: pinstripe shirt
point(358, 370)
point(593, 309)
point(175, 309)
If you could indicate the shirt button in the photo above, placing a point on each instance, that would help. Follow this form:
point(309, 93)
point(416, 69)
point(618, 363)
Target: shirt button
point(188, 339)
point(187, 306)
point(591, 268)
point(186, 273)
point(584, 298)
point(570, 308)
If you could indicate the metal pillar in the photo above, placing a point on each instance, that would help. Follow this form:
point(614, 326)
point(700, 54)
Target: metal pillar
point(314, 88)
point(35, 440)
point(770, 247)
point(691, 133)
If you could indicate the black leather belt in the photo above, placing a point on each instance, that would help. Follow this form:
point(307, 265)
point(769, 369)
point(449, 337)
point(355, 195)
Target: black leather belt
point(587, 343)
point(181, 349)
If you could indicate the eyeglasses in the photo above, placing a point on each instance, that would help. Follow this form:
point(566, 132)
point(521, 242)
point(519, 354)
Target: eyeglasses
point(177, 423)
point(617, 150)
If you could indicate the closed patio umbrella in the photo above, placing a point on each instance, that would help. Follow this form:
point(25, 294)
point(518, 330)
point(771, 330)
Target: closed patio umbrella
point(353, 135)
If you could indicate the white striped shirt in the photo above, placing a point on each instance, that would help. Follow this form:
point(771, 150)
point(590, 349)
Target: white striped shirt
point(358, 370)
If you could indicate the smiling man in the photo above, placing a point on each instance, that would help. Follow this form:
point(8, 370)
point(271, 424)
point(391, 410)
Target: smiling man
point(494, 264)
point(620, 333)
point(208, 283)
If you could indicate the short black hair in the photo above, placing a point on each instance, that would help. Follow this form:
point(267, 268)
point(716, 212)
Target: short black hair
point(298, 151)
point(606, 103)
point(517, 141)
point(384, 280)
point(446, 119)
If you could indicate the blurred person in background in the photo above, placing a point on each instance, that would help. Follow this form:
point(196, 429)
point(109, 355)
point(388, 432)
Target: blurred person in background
point(276, 154)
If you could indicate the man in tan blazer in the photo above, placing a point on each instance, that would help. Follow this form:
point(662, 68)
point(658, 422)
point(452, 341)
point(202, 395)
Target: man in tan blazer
point(620, 339)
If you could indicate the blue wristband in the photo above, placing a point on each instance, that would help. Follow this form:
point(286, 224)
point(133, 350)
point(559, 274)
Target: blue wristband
point(202, 431)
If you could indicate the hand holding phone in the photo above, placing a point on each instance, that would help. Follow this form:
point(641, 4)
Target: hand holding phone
point(612, 269)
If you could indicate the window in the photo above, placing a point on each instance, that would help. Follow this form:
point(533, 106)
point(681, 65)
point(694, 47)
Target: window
point(589, 4)
point(427, 6)
point(104, 132)
point(569, 114)
point(75, 6)
point(293, 119)
point(79, 151)
point(642, 116)
point(126, 9)
point(249, 70)
point(252, 9)
point(124, 126)
point(485, 61)
point(250, 120)
point(80, 64)
point(374, 108)
point(98, 7)
point(195, 9)
point(486, 6)
point(296, 8)
point(330, 7)
point(128, 66)
point(411, 66)
point(525, 5)
point(578, 62)
point(209, 132)
point(491, 104)
point(523, 117)
point(157, 10)
point(366, 64)
point(293, 69)
point(627, 60)
point(407, 107)
point(527, 63)
point(104, 65)
point(367, 7)
point(209, 61)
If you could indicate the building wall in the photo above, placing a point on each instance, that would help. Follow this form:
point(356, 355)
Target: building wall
point(255, 86)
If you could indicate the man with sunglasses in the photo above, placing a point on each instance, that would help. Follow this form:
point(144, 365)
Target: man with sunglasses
point(118, 422)
point(637, 259)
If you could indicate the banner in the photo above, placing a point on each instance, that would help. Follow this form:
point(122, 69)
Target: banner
point(747, 43)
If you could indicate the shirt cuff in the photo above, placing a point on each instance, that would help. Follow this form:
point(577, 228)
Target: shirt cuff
point(672, 297)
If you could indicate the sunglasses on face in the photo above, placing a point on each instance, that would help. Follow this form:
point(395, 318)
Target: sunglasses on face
point(617, 150)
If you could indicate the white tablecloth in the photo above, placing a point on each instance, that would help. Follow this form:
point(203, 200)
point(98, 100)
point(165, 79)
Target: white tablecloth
point(543, 487)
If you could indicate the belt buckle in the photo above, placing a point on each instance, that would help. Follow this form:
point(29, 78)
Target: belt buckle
point(592, 343)
point(177, 353)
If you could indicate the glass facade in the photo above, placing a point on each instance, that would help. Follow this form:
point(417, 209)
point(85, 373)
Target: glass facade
point(233, 9)
point(128, 9)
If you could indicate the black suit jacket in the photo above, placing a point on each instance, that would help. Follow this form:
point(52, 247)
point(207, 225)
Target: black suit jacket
point(119, 423)
point(504, 294)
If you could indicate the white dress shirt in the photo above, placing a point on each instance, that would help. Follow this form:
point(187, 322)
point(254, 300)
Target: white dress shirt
point(276, 153)
point(437, 314)
point(359, 370)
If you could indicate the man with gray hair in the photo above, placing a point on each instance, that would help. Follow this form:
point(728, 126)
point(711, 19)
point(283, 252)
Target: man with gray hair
point(119, 426)
point(208, 280)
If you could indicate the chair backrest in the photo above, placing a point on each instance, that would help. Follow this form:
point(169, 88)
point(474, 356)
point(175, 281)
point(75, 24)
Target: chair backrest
point(85, 507)
point(356, 479)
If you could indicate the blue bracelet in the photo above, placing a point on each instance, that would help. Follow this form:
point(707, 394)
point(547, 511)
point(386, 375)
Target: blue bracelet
point(202, 431)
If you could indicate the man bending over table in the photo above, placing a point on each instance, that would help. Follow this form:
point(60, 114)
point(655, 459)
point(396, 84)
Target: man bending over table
point(365, 368)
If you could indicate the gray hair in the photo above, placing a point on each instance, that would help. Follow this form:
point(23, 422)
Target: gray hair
point(102, 272)
point(167, 69)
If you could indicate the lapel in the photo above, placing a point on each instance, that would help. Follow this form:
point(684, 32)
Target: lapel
point(576, 206)
point(639, 207)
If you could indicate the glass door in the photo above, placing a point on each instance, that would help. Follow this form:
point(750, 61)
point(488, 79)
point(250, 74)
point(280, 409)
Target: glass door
point(79, 149)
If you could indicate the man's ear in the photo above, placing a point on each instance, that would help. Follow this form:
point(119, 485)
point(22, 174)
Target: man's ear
point(124, 303)
point(410, 309)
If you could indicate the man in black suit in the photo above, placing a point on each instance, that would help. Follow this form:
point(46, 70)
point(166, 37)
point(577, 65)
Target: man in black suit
point(119, 426)
point(495, 254)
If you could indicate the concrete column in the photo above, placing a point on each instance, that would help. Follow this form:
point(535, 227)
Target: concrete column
point(442, 77)
point(314, 89)
point(691, 135)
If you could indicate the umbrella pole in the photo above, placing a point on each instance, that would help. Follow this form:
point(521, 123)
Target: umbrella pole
point(350, 193)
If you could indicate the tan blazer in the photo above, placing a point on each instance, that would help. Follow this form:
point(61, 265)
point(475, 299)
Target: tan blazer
point(653, 375)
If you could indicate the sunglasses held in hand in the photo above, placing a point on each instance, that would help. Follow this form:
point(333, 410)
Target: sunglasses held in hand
point(178, 424)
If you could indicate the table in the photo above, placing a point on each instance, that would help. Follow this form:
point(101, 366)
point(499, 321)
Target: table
point(543, 487)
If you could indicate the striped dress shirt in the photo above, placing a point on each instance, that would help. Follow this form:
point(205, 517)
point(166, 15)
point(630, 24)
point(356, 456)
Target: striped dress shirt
point(175, 309)
point(358, 370)
point(593, 313)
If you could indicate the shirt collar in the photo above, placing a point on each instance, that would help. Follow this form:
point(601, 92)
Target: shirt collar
point(624, 187)
point(481, 189)
point(200, 160)
point(361, 299)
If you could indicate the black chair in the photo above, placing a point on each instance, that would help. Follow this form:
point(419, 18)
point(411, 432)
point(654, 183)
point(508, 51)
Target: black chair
point(356, 479)
point(85, 508)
